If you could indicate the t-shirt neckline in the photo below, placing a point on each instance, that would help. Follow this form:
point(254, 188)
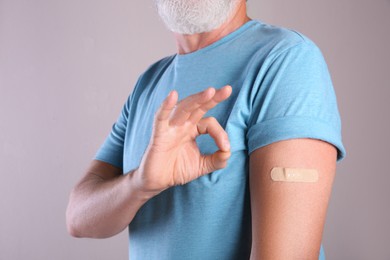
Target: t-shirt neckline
point(243, 28)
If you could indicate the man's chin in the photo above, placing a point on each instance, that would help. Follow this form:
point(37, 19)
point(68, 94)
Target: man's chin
point(187, 31)
point(188, 18)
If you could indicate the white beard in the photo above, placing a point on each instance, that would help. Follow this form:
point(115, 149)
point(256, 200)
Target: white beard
point(195, 16)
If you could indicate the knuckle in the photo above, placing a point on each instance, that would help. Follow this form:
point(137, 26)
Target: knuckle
point(210, 120)
point(181, 108)
point(186, 110)
point(203, 109)
point(200, 128)
point(158, 116)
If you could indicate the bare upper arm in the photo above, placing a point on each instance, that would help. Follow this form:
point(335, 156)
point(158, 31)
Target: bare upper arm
point(287, 217)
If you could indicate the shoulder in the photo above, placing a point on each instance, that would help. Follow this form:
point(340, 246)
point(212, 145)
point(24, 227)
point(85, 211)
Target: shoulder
point(157, 68)
point(152, 74)
point(273, 40)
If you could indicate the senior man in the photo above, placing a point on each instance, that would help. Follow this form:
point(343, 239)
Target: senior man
point(225, 150)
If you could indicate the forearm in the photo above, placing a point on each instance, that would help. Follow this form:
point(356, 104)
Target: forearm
point(101, 208)
point(105, 201)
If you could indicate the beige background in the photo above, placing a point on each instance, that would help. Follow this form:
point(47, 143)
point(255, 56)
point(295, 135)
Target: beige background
point(66, 68)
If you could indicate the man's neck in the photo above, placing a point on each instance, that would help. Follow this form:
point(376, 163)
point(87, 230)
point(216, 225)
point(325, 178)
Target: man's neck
point(189, 43)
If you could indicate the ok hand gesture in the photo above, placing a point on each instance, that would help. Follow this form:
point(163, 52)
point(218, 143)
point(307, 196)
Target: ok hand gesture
point(173, 157)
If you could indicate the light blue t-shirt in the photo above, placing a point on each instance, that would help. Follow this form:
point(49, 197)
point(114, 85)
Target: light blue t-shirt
point(281, 90)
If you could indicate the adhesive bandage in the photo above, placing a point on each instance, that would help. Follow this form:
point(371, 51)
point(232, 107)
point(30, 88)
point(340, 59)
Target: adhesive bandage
point(294, 174)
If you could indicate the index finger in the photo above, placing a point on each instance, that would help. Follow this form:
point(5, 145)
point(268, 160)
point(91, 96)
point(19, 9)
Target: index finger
point(186, 106)
point(220, 95)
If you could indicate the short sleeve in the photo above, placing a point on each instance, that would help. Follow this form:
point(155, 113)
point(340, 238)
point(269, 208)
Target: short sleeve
point(111, 151)
point(294, 99)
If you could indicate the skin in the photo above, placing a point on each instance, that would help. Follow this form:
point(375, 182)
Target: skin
point(189, 43)
point(287, 218)
point(104, 202)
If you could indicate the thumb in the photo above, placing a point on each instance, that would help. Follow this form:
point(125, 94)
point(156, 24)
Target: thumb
point(213, 162)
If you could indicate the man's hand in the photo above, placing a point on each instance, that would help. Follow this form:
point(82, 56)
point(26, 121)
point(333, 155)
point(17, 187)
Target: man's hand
point(104, 202)
point(173, 157)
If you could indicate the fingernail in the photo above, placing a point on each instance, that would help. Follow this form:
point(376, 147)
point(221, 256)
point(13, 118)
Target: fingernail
point(205, 92)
